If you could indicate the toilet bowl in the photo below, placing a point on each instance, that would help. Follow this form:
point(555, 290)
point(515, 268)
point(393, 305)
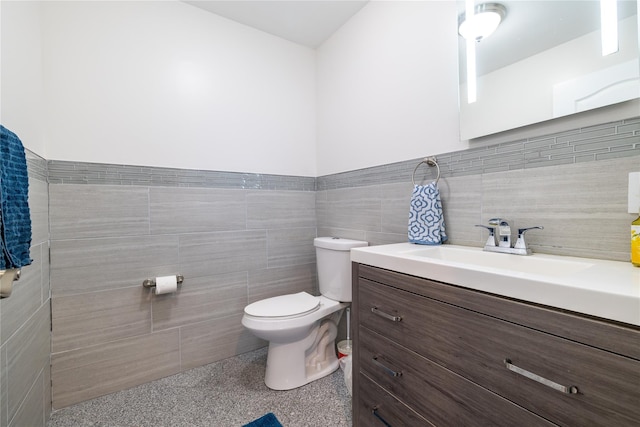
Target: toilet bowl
point(297, 353)
point(301, 328)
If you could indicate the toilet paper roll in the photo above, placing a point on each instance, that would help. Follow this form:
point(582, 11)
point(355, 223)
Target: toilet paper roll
point(166, 284)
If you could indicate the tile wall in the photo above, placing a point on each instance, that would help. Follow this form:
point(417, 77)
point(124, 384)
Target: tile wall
point(25, 325)
point(573, 183)
point(236, 238)
point(239, 237)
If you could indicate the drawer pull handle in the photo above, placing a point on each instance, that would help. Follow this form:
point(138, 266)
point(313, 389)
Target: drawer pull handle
point(375, 310)
point(518, 370)
point(375, 414)
point(385, 368)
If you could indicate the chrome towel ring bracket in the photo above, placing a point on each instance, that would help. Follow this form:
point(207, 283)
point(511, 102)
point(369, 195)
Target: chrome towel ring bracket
point(431, 161)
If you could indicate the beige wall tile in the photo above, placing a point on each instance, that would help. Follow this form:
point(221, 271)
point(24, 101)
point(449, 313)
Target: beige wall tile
point(462, 203)
point(208, 254)
point(190, 210)
point(347, 233)
point(25, 298)
point(352, 208)
point(583, 206)
point(39, 209)
point(45, 270)
point(85, 373)
point(290, 246)
point(38, 196)
point(3, 386)
point(83, 211)
point(39, 228)
point(102, 264)
point(373, 238)
point(28, 353)
point(395, 200)
point(280, 209)
point(272, 282)
point(32, 411)
point(99, 317)
point(208, 342)
point(322, 209)
point(47, 391)
point(200, 299)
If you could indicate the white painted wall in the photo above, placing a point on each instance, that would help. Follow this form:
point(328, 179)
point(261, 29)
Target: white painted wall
point(21, 92)
point(167, 84)
point(387, 86)
point(162, 83)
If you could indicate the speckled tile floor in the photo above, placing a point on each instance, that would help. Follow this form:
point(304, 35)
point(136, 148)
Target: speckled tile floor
point(229, 393)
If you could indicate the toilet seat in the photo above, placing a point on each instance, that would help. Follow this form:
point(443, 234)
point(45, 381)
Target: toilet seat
point(284, 306)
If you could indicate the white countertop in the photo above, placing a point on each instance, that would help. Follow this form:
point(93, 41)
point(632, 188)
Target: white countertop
point(607, 289)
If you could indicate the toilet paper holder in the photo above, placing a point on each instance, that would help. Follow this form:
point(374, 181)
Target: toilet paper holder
point(6, 286)
point(18, 273)
point(151, 283)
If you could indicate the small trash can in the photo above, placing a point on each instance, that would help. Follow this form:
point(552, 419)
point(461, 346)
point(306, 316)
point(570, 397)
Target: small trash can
point(344, 348)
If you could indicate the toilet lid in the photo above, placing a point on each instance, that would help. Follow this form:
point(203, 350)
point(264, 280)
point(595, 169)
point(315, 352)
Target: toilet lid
point(284, 305)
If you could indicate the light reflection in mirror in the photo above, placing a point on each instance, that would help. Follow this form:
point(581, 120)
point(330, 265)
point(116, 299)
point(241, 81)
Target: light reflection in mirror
point(525, 76)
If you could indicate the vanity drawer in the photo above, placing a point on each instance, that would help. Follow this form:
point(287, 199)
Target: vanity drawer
point(609, 336)
point(441, 396)
point(504, 357)
point(377, 408)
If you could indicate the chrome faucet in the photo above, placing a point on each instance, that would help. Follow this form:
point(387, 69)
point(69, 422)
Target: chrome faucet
point(504, 231)
point(500, 241)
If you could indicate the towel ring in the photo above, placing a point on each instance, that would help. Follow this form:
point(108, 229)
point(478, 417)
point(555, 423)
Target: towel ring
point(431, 161)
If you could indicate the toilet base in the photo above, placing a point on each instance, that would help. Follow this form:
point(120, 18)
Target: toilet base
point(295, 364)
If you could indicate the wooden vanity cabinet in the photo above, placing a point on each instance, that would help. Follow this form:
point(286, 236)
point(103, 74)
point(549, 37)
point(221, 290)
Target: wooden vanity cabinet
point(430, 353)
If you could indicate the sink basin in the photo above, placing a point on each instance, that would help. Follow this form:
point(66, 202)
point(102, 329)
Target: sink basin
point(531, 264)
point(601, 288)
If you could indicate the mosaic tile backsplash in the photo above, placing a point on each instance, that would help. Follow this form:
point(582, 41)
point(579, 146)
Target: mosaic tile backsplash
point(602, 142)
point(62, 172)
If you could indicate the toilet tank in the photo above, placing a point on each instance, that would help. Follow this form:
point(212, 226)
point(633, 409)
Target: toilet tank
point(333, 258)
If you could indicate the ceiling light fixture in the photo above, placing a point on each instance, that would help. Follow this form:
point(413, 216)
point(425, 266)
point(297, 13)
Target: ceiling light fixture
point(483, 22)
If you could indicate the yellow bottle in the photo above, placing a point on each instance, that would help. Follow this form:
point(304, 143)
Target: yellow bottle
point(635, 242)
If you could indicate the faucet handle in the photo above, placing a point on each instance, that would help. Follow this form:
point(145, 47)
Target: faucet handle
point(520, 243)
point(491, 241)
point(521, 231)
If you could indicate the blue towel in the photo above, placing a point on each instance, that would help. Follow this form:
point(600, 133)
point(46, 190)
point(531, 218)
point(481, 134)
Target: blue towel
point(15, 220)
point(268, 420)
point(426, 220)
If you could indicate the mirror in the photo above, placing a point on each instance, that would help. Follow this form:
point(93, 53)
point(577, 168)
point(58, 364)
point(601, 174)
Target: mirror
point(545, 61)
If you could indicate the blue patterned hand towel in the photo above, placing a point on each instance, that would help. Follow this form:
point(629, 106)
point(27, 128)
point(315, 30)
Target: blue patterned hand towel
point(15, 220)
point(426, 220)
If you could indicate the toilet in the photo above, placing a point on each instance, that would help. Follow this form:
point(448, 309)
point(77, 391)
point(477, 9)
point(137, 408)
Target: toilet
point(302, 328)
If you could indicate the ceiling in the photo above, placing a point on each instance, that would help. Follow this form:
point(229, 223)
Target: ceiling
point(530, 27)
point(306, 22)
